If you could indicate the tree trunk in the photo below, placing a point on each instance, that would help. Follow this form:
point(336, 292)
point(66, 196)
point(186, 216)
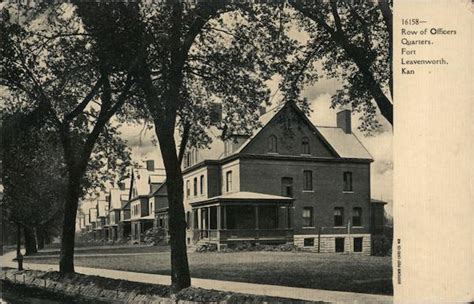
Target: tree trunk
point(30, 241)
point(180, 277)
point(40, 237)
point(18, 240)
point(66, 259)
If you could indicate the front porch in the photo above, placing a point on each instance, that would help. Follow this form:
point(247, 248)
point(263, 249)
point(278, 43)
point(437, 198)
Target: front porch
point(243, 217)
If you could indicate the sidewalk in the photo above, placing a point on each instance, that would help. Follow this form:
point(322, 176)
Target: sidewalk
point(257, 289)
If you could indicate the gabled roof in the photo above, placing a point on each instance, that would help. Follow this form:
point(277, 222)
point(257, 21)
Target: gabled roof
point(116, 197)
point(101, 208)
point(340, 144)
point(93, 214)
point(143, 178)
point(346, 145)
point(160, 190)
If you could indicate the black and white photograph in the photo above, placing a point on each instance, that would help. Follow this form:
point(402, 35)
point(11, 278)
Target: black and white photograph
point(201, 151)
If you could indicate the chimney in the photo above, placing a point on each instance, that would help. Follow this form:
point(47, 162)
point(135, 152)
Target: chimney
point(262, 110)
point(150, 165)
point(121, 185)
point(344, 121)
point(215, 112)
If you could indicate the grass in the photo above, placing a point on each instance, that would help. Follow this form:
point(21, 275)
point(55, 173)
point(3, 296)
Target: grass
point(355, 273)
point(108, 250)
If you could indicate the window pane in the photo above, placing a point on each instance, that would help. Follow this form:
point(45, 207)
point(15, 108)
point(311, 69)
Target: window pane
point(305, 145)
point(308, 216)
point(229, 181)
point(272, 144)
point(358, 244)
point(357, 216)
point(287, 186)
point(347, 181)
point(308, 180)
point(338, 216)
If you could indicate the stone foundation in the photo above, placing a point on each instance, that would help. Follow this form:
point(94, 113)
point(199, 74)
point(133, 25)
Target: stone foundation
point(328, 242)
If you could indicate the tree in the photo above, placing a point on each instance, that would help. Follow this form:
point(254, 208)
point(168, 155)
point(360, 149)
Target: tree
point(41, 72)
point(354, 43)
point(33, 175)
point(189, 57)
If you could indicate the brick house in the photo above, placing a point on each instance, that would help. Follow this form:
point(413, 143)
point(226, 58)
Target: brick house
point(288, 182)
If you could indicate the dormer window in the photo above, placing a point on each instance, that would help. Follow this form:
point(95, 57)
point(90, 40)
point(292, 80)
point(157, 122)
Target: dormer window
point(272, 144)
point(305, 146)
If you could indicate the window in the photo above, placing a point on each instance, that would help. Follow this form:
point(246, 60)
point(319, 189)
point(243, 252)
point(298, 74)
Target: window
point(188, 159)
point(339, 244)
point(188, 189)
point(227, 147)
point(338, 216)
point(195, 186)
point(358, 244)
point(308, 180)
point(272, 144)
point(188, 220)
point(195, 219)
point(357, 216)
point(287, 186)
point(308, 217)
point(201, 184)
point(305, 146)
point(308, 242)
point(228, 179)
point(347, 181)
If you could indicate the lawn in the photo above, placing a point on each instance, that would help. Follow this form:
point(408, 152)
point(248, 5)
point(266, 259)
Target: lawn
point(356, 273)
point(108, 250)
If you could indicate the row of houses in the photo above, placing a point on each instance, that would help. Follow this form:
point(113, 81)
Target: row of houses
point(289, 181)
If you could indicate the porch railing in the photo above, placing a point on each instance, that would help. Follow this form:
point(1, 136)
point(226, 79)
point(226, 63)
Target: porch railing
point(243, 234)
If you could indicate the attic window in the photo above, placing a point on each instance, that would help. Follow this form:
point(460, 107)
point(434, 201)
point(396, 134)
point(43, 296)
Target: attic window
point(305, 146)
point(272, 144)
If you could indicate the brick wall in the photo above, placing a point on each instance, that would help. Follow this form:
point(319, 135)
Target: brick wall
point(264, 175)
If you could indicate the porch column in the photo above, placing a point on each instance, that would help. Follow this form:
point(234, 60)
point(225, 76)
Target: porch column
point(200, 220)
point(208, 224)
point(224, 217)
point(256, 216)
point(289, 215)
point(257, 235)
point(219, 224)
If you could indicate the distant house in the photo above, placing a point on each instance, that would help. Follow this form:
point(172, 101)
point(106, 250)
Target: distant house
point(144, 182)
point(117, 199)
point(288, 182)
point(93, 221)
point(100, 228)
point(160, 201)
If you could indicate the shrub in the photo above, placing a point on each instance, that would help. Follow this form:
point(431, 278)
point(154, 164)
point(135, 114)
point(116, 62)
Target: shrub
point(208, 247)
point(155, 236)
point(381, 245)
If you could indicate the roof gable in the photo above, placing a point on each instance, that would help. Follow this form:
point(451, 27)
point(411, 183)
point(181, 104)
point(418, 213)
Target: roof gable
point(289, 126)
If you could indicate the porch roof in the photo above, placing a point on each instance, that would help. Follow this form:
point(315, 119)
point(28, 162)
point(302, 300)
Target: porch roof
point(245, 196)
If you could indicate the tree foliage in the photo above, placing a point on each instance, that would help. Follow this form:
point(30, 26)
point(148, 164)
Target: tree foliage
point(33, 175)
point(353, 43)
point(52, 64)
